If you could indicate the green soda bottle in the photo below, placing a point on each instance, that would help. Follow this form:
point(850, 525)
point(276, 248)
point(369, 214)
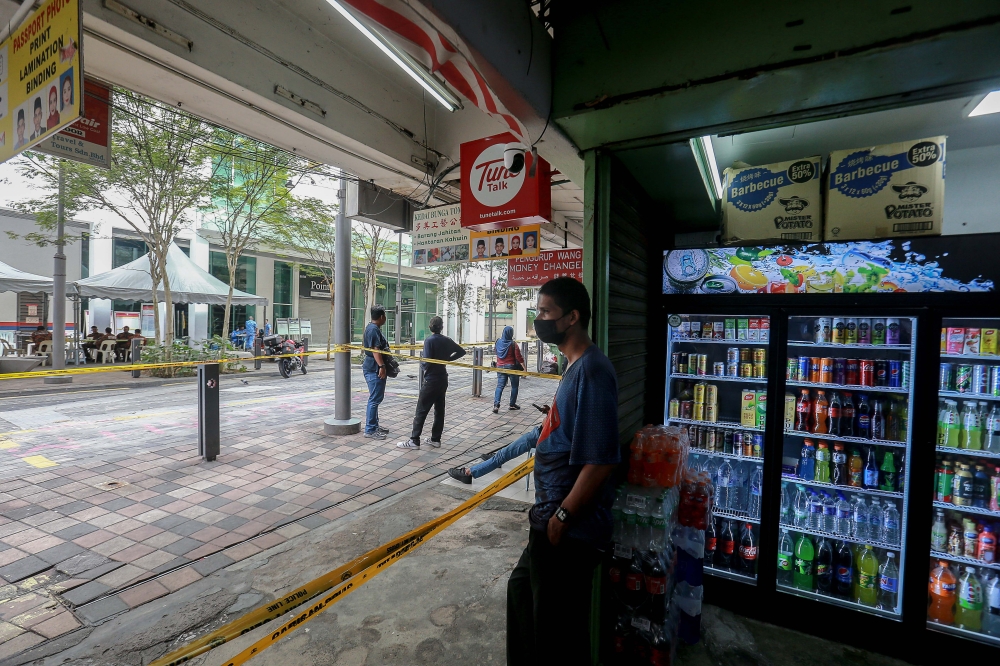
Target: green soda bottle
point(804, 573)
point(867, 575)
point(951, 423)
point(969, 609)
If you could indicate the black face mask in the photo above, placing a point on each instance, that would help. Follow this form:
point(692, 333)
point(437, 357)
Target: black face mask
point(548, 332)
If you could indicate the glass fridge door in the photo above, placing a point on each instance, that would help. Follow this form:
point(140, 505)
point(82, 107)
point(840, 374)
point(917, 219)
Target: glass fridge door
point(717, 390)
point(964, 584)
point(846, 445)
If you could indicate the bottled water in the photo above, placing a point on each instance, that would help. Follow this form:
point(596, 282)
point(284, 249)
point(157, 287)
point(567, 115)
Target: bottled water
point(643, 517)
point(890, 527)
point(860, 527)
point(712, 467)
point(829, 513)
point(842, 519)
point(753, 501)
point(875, 521)
point(815, 511)
point(786, 505)
point(723, 484)
point(738, 488)
point(801, 507)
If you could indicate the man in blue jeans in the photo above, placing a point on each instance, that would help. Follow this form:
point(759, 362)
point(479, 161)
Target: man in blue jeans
point(374, 370)
point(518, 447)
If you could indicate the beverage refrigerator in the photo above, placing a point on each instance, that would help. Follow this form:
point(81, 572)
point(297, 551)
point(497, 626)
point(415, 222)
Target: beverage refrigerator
point(879, 438)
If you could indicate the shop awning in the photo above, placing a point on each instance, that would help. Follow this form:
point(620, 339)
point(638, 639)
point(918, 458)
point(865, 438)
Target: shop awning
point(12, 279)
point(188, 283)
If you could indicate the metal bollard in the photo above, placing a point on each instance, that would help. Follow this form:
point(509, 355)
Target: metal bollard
point(208, 411)
point(538, 355)
point(420, 374)
point(413, 341)
point(524, 355)
point(477, 375)
point(256, 353)
point(305, 356)
point(136, 356)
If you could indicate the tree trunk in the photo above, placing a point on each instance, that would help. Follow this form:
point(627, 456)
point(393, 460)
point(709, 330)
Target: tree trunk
point(154, 275)
point(168, 337)
point(229, 301)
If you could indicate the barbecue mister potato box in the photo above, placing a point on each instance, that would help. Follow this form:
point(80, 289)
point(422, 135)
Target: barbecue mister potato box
point(886, 191)
point(772, 202)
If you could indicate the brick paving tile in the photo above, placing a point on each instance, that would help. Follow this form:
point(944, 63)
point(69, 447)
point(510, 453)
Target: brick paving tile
point(11, 555)
point(24, 536)
point(38, 615)
point(19, 644)
point(20, 605)
point(112, 546)
point(140, 594)
point(162, 540)
point(94, 538)
point(227, 539)
point(242, 551)
point(121, 576)
point(202, 551)
point(153, 560)
point(60, 553)
point(9, 631)
point(22, 568)
point(86, 592)
point(177, 579)
point(268, 540)
point(143, 533)
point(132, 553)
point(103, 609)
point(58, 625)
point(124, 526)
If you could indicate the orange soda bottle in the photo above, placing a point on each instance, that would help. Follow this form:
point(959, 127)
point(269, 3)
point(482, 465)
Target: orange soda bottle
point(942, 592)
point(635, 467)
point(672, 454)
point(652, 458)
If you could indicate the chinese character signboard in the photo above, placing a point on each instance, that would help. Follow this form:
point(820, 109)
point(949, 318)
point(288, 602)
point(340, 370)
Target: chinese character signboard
point(493, 197)
point(89, 139)
point(504, 243)
point(438, 236)
point(40, 77)
point(550, 264)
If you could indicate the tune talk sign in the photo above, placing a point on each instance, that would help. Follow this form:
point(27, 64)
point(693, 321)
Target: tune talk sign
point(495, 198)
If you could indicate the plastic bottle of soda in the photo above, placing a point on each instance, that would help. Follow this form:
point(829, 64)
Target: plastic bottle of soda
point(822, 469)
point(803, 408)
point(803, 575)
point(871, 470)
point(711, 542)
point(942, 593)
point(846, 415)
point(652, 460)
point(939, 532)
point(635, 580)
point(838, 468)
point(655, 579)
point(635, 467)
point(894, 425)
point(821, 414)
point(867, 577)
point(824, 567)
point(980, 487)
point(863, 418)
point(887, 472)
point(878, 421)
point(888, 583)
point(987, 550)
point(971, 434)
point(786, 555)
point(727, 546)
point(945, 482)
point(856, 469)
point(969, 610)
point(807, 461)
point(835, 414)
point(845, 570)
point(952, 424)
point(991, 432)
point(748, 551)
point(991, 606)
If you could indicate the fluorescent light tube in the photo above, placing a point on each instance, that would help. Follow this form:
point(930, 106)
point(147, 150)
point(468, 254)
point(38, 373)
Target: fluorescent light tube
point(990, 104)
point(713, 166)
point(416, 71)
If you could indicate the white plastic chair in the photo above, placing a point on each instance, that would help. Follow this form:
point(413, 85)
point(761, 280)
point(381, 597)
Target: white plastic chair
point(45, 349)
point(8, 349)
point(107, 351)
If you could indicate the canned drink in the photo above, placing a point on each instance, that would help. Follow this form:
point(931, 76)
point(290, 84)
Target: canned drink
point(878, 331)
point(711, 412)
point(946, 377)
point(866, 372)
point(699, 392)
point(893, 331)
point(980, 378)
point(746, 369)
point(759, 370)
point(682, 366)
point(895, 374)
point(792, 369)
point(758, 444)
point(733, 369)
point(675, 408)
point(864, 331)
point(693, 435)
point(737, 442)
point(702, 436)
point(803, 373)
point(759, 355)
point(732, 355)
point(748, 444)
point(687, 409)
point(963, 379)
point(852, 370)
point(994, 387)
point(905, 382)
point(789, 412)
point(826, 370)
point(840, 371)
point(719, 369)
point(699, 411)
point(727, 441)
point(838, 330)
point(744, 354)
point(821, 330)
point(702, 364)
point(881, 373)
point(851, 332)
point(710, 440)
point(675, 362)
point(814, 362)
point(711, 395)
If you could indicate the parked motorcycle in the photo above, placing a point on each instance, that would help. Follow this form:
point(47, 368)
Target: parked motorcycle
point(275, 345)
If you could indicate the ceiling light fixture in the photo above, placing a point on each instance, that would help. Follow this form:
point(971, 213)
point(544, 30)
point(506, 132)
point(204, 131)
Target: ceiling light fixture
point(416, 71)
point(990, 104)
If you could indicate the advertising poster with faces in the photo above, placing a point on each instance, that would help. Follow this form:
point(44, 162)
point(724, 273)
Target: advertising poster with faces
point(438, 236)
point(40, 76)
point(504, 243)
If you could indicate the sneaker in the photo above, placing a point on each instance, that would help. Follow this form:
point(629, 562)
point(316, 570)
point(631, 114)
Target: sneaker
point(436, 443)
point(459, 473)
point(375, 435)
point(408, 444)
point(496, 409)
point(514, 407)
point(384, 431)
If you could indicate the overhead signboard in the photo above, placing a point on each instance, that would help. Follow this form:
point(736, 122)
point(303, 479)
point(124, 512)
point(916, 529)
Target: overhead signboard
point(548, 265)
point(41, 70)
point(88, 140)
point(313, 286)
point(493, 197)
point(504, 243)
point(438, 236)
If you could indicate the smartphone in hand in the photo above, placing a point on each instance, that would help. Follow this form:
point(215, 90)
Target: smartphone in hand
point(543, 410)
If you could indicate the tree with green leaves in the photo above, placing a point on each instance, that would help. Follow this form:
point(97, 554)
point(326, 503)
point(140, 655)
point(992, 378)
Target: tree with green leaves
point(369, 243)
point(161, 169)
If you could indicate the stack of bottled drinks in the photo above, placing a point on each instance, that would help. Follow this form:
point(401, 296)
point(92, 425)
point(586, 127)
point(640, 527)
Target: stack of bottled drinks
point(641, 571)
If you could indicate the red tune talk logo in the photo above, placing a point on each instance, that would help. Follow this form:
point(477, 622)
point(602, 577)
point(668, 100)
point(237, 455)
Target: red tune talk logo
point(491, 183)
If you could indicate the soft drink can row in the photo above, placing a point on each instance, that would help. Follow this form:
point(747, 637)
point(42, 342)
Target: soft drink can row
point(732, 368)
point(719, 369)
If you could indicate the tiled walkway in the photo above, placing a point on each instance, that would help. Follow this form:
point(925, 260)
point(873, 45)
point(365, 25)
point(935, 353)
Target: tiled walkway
point(124, 511)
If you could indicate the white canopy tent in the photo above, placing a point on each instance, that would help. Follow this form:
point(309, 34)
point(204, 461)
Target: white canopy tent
point(12, 279)
point(188, 283)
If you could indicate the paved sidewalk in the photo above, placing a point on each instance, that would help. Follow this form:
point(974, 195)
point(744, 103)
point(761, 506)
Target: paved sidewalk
point(123, 511)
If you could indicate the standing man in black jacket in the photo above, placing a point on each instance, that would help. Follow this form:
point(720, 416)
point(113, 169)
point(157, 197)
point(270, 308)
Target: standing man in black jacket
point(435, 386)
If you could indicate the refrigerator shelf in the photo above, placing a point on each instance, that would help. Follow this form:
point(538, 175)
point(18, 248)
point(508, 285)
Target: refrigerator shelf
point(717, 378)
point(837, 601)
point(713, 341)
point(740, 516)
point(730, 456)
point(850, 387)
point(830, 345)
point(849, 440)
point(730, 575)
point(964, 633)
point(971, 561)
point(838, 537)
point(716, 424)
point(850, 489)
point(968, 396)
point(966, 509)
point(971, 357)
point(975, 453)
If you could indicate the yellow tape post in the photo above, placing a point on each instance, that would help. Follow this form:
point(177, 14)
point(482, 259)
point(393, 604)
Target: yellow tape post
point(321, 593)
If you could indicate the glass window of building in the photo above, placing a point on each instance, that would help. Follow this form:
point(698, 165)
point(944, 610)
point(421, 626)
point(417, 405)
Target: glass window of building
point(282, 289)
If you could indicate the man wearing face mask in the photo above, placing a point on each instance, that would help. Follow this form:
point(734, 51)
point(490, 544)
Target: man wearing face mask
point(549, 591)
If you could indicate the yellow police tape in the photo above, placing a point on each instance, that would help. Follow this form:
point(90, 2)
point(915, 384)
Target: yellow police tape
point(323, 592)
point(485, 368)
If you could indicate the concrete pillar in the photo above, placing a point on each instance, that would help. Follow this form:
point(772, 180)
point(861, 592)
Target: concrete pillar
point(342, 422)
